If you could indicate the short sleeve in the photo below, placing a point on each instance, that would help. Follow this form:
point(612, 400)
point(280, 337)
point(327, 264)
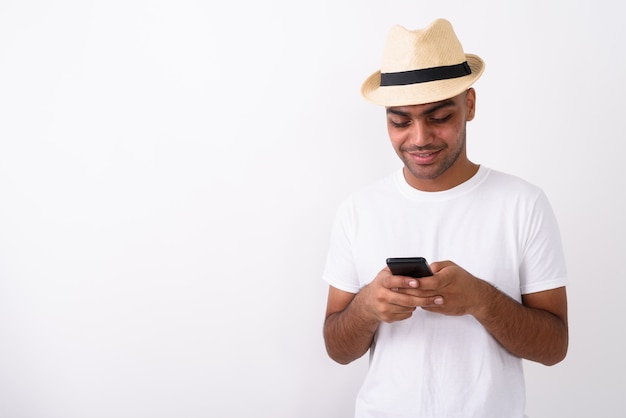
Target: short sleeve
point(340, 271)
point(543, 264)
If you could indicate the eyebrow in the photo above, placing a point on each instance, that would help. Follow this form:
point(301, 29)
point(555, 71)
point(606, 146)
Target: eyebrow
point(430, 110)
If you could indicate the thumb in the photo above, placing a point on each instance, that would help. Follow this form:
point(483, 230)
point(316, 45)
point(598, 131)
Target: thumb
point(440, 265)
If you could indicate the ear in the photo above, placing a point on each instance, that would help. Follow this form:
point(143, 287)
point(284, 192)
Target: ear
point(470, 104)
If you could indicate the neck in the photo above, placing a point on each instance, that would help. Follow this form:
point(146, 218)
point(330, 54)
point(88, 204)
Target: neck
point(459, 173)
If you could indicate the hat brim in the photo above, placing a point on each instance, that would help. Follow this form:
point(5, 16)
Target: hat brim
point(420, 93)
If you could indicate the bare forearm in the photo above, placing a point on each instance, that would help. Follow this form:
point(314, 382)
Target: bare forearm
point(529, 333)
point(347, 334)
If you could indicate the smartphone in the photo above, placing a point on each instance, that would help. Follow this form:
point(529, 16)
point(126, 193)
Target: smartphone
point(409, 266)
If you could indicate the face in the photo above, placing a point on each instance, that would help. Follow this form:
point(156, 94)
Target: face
point(430, 141)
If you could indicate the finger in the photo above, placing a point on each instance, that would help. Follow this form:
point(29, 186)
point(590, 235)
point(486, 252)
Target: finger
point(429, 283)
point(440, 265)
point(400, 282)
point(397, 316)
point(402, 301)
point(396, 309)
point(406, 282)
point(433, 302)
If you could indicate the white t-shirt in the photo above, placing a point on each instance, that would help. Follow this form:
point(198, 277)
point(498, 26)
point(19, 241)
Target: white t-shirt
point(496, 226)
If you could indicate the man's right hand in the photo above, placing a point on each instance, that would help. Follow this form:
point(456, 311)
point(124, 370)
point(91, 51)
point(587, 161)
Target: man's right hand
point(388, 298)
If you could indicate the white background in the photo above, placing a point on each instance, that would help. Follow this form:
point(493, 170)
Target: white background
point(169, 171)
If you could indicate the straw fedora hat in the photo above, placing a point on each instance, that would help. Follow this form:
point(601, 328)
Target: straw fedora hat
point(422, 66)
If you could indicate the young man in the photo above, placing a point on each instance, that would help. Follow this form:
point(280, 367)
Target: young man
point(451, 344)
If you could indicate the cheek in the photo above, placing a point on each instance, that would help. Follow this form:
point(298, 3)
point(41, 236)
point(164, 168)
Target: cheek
point(450, 133)
point(396, 140)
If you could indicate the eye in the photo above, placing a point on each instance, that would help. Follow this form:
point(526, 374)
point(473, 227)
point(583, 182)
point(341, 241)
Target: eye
point(399, 124)
point(443, 119)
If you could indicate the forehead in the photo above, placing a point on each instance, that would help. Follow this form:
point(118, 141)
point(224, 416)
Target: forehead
point(427, 108)
point(422, 109)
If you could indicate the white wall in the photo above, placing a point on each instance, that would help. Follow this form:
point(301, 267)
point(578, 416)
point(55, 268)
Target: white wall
point(169, 171)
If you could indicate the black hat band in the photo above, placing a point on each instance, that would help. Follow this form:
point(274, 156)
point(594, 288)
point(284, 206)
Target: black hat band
point(424, 75)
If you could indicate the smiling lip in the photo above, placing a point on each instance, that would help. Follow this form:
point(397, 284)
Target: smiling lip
point(424, 157)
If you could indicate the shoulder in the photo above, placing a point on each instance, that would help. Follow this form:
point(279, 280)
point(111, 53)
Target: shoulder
point(370, 198)
point(510, 185)
point(505, 192)
point(376, 190)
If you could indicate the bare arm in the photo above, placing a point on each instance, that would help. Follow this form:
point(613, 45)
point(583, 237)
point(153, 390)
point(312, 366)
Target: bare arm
point(535, 329)
point(348, 333)
point(352, 319)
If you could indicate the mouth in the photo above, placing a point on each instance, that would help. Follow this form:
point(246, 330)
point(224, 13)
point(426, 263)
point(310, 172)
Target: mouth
point(424, 157)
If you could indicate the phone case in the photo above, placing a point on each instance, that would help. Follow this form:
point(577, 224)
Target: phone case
point(409, 266)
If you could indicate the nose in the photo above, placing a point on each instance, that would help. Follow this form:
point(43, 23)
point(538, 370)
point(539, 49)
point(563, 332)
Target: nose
point(421, 135)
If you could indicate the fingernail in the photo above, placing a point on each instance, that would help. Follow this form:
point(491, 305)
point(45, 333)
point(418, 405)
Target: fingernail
point(438, 301)
point(413, 283)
